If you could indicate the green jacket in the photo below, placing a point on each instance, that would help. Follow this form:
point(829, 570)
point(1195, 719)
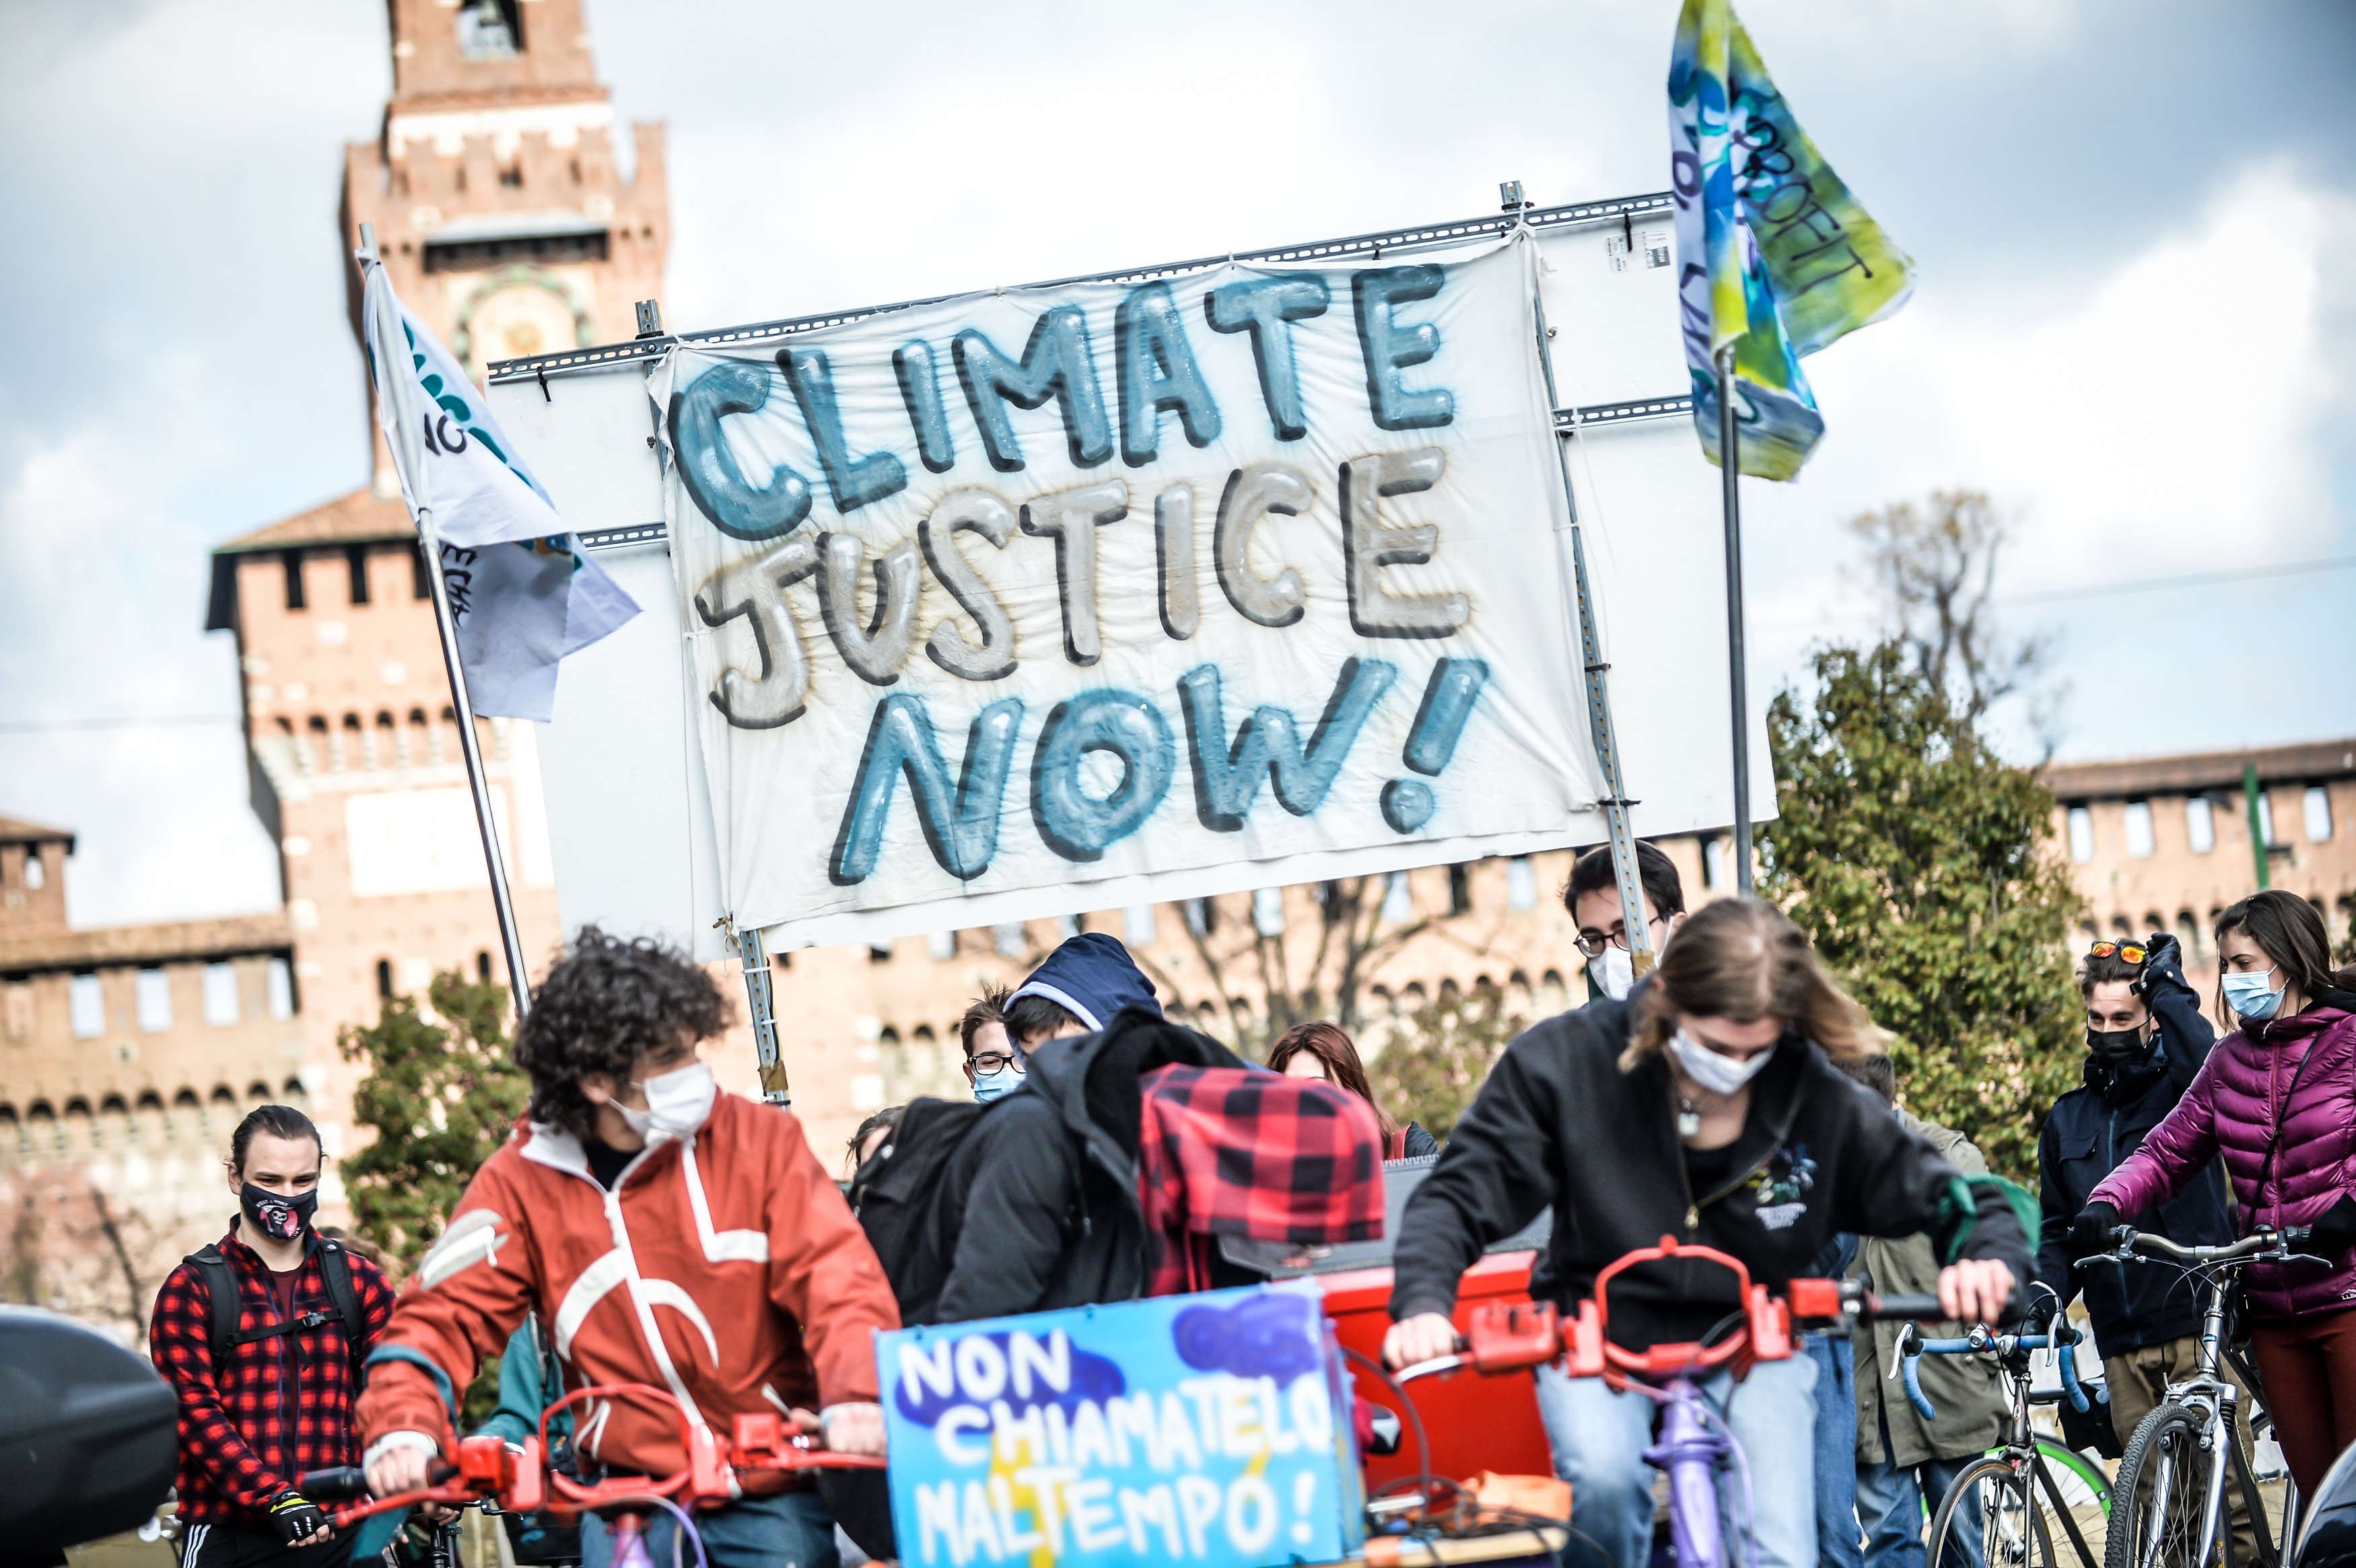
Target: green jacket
point(1966, 1390)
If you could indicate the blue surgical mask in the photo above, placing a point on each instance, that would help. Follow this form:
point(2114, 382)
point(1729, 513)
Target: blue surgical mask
point(2250, 996)
point(989, 1086)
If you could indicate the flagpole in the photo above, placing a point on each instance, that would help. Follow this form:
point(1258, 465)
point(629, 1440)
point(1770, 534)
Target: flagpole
point(430, 545)
point(1730, 473)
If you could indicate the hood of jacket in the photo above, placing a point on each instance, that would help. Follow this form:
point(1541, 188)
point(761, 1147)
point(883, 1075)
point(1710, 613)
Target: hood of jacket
point(1092, 1078)
point(1092, 978)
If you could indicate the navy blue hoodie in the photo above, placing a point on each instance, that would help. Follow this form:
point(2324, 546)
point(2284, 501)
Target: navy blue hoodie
point(1091, 977)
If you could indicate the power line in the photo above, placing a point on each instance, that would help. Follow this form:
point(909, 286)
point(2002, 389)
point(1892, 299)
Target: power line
point(2106, 590)
point(119, 721)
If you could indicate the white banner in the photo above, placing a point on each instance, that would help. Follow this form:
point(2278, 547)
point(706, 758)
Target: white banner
point(1149, 590)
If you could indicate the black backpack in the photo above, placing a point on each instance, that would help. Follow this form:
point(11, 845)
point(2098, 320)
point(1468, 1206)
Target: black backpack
point(894, 1193)
point(221, 1297)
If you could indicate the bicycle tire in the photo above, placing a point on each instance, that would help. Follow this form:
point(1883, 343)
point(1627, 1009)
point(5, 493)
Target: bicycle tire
point(2165, 1453)
point(2012, 1531)
point(2087, 1492)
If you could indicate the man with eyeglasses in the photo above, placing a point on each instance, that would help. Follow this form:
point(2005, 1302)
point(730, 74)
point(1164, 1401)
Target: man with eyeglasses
point(993, 1066)
point(1593, 900)
point(2145, 1040)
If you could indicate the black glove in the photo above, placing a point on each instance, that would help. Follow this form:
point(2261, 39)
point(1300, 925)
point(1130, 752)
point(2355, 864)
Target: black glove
point(2334, 1231)
point(296, 1518)
point(2091, 1232)
point(2160, 956)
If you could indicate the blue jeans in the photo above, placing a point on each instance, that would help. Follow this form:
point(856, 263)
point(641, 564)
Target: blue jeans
point(1599, 1439)
point(792, 1530)
point(1898, 1504)
point(1836, 1529)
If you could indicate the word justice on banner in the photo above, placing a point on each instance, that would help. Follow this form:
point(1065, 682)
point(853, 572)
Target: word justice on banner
point(1204, 1429)
point(1041, 587)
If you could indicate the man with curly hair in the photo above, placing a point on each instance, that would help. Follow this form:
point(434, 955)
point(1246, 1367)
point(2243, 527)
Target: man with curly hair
point(666, 1233)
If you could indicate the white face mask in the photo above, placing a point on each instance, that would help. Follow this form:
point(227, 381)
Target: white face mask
point(678, 1105)
point(1719, 1075)
point(1615, 972)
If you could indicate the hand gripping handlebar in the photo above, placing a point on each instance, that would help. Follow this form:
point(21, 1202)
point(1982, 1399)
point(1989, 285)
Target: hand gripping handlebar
point(1505, 1337)
point(518, 1478)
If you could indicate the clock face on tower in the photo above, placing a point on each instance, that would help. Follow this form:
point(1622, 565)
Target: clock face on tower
point(514, 318)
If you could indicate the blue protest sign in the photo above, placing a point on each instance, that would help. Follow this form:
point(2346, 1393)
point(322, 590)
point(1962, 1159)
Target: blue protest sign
point(1208, 1429)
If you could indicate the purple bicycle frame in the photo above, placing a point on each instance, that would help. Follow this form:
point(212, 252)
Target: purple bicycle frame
point(1692, 1452)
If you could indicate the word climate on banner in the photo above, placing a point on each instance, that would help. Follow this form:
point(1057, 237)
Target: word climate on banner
point(1208, 1429)
point(1169, 580)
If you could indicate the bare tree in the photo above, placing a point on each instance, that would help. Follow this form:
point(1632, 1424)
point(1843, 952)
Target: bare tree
point(1934, 565)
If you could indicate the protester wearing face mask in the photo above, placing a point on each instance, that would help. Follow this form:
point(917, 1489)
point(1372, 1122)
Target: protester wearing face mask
point(993, 1065)
point(1706, 1109)
point(2274, 1102)
point(677, 1236)
point(274, 1400)
point(1593, 900)
point(2145, 1040)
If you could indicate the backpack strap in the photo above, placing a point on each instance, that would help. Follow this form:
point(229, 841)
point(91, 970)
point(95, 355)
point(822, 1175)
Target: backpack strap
point(336, 1269)
point(221, 1301)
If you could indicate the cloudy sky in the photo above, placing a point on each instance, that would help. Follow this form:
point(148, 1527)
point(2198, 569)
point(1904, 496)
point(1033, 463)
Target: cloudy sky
point(2133, 324)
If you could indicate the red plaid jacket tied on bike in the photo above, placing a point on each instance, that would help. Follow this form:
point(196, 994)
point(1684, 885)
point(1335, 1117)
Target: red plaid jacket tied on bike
point(1237, 1152)
point(282, 1405)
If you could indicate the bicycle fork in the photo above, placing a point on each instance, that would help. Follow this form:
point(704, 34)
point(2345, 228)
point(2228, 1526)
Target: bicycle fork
point(1692, 1454)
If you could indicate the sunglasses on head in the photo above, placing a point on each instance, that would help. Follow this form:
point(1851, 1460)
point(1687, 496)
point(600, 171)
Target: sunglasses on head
point(2125, 950)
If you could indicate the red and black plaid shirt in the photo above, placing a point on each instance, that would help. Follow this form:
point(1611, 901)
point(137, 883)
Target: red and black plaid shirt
point(1239, 1152)
point(283, 1405)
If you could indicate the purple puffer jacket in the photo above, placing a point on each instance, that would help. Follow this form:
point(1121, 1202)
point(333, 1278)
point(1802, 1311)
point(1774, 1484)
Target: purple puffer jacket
point(2233, 1106)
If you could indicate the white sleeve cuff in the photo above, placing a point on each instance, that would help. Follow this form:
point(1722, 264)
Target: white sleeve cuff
point(392, 1440)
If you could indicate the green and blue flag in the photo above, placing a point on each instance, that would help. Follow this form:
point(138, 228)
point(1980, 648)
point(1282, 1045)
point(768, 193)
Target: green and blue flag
point(1775, 256)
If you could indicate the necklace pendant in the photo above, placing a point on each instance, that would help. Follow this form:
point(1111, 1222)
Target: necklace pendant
point(1689, 1124)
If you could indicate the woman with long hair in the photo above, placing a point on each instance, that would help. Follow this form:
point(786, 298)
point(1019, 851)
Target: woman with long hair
point(1704, 1106)
point(1323, 1050)
point(2277, 1099)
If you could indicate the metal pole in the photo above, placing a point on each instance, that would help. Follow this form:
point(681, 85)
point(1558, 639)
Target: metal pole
point(430, 545)
point(2250, 796)
point(1730, 471)
point(1599, 703)
point(760, 994)
point(518, 980)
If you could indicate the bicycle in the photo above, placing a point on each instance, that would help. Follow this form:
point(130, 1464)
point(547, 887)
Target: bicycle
point(1694, 1446)
point(2170, 1489)
point(491, 1475)
point(1995, 1497)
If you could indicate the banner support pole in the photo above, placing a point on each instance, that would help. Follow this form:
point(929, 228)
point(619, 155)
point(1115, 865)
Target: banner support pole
point(1615, 801)
point(1730, 473)
point(429, 544)
point(760, 1001)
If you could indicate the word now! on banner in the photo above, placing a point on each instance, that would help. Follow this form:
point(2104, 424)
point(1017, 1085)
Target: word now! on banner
point(1051, 586)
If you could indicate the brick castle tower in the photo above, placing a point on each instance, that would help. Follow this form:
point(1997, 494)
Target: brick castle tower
point(507, 226)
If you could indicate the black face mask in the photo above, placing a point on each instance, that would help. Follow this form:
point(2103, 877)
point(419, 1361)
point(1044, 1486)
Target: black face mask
point(280, 1217)
point(2114, 1046)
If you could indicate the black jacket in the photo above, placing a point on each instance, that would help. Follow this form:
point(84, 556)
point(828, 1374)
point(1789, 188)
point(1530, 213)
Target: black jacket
point(1038, 1208)
point(2091, 1130)
point(1559, 1122)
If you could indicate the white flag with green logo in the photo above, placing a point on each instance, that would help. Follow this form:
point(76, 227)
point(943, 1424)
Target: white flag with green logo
point(522, 592)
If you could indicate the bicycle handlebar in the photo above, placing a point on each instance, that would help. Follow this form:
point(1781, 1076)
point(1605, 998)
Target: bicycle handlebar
point(2265, 1245)
point(2059, 1338)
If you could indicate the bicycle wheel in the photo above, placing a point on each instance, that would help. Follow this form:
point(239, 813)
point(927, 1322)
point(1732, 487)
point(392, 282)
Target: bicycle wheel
point(2158, 1497)
point(1988, 1520)
point(2085, 1492)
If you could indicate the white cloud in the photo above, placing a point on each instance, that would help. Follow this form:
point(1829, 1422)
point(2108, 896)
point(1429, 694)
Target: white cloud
point(2173, 420)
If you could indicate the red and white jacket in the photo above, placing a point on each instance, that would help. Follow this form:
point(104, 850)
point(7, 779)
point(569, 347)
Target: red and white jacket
point(729, 1272)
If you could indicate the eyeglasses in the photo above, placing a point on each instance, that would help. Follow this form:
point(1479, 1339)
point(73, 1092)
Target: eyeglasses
point(993, 1061)
point(2125, 950)
point(1594, 943)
